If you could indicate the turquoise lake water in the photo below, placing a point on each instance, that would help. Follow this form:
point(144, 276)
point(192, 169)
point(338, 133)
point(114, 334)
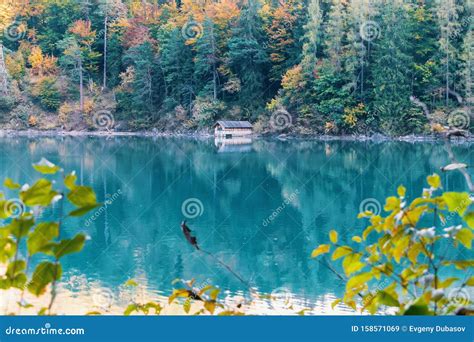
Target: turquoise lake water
point(261, 208)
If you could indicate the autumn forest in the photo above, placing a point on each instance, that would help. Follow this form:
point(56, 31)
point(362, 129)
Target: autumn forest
point(312, 66)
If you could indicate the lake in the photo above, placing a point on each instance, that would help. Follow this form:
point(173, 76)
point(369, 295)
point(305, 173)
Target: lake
point(261, 208)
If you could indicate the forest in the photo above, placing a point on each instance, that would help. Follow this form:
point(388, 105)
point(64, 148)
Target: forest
point(308, 67)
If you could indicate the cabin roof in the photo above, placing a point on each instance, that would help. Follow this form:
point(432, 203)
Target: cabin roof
point(234, 124)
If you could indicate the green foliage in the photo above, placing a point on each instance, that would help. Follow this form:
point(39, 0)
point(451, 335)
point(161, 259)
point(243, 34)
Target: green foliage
point(47, 92)
point(399, 260)
point(38, 240)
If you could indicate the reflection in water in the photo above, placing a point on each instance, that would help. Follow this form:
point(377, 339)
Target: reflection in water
point(137, 235)
point(235, 144)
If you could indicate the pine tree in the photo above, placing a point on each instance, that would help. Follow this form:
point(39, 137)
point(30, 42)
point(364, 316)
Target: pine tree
point(247, 57)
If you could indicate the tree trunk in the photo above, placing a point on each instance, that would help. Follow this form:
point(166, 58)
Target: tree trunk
point(81, 87)
point(104, 84)
point(3, 74)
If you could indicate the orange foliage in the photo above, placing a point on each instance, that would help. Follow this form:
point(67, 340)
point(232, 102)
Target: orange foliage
point(82, 29)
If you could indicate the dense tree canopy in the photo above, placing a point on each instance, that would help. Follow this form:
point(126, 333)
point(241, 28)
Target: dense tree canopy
point(333, 66)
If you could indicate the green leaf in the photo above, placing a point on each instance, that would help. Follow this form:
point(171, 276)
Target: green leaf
point(417, 310)
point(82, 196)
point(41, 239)
point(45, 167)
point(70, 181)
point(131, 283)
point(321, 249)
point(15, 267)
point(44, 274)
point(83, 210)
point(20, 227)
point(460, 264)
point(333, 236)
point(341, 252)
point(69, 246)
point(10, 184)
point(352, 264)
point(41, 193)
point(457, 201)
point(465, 236)
point(356, 281)
point(401, 191)
point(469, 218)
point(470, 281)
point(187, 306)
point(387, 299)
point(434, 181)
point(131, 308)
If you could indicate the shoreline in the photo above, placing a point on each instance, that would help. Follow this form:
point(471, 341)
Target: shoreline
point(205, 135)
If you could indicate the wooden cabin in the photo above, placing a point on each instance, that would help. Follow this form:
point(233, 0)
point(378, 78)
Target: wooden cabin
point(229, 129)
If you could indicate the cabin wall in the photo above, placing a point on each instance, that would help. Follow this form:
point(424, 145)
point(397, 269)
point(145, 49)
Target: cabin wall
point(222, 132)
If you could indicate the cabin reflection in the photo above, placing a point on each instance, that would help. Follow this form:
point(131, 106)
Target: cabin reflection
point(233, 145)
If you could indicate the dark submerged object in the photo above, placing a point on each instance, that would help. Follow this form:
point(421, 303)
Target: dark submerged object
point(187, 234)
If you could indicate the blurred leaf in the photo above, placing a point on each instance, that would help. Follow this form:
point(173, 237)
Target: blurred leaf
point(457, 201)
point(41, 193)
point(417, 310)
point(131, 283)
point(69, 246)
point(333, 236)
point(44, 166)
point(10, 184)
point(434, 181)
point(82, 196)
point(20, 227)
point(83, 210)
point(321, 249)
point(401, 191)
point(41, 239)
point(469, 218)
point(387, 299)
point(341, 251)
point(70, 181)
point(44, 274)
point(465, 236)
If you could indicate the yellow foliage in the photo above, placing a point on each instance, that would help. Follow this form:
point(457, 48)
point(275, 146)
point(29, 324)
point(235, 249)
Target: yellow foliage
point(32, 120)
point(329, 127)
point(36, 60)
point(88, 106)
point(293, 79)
